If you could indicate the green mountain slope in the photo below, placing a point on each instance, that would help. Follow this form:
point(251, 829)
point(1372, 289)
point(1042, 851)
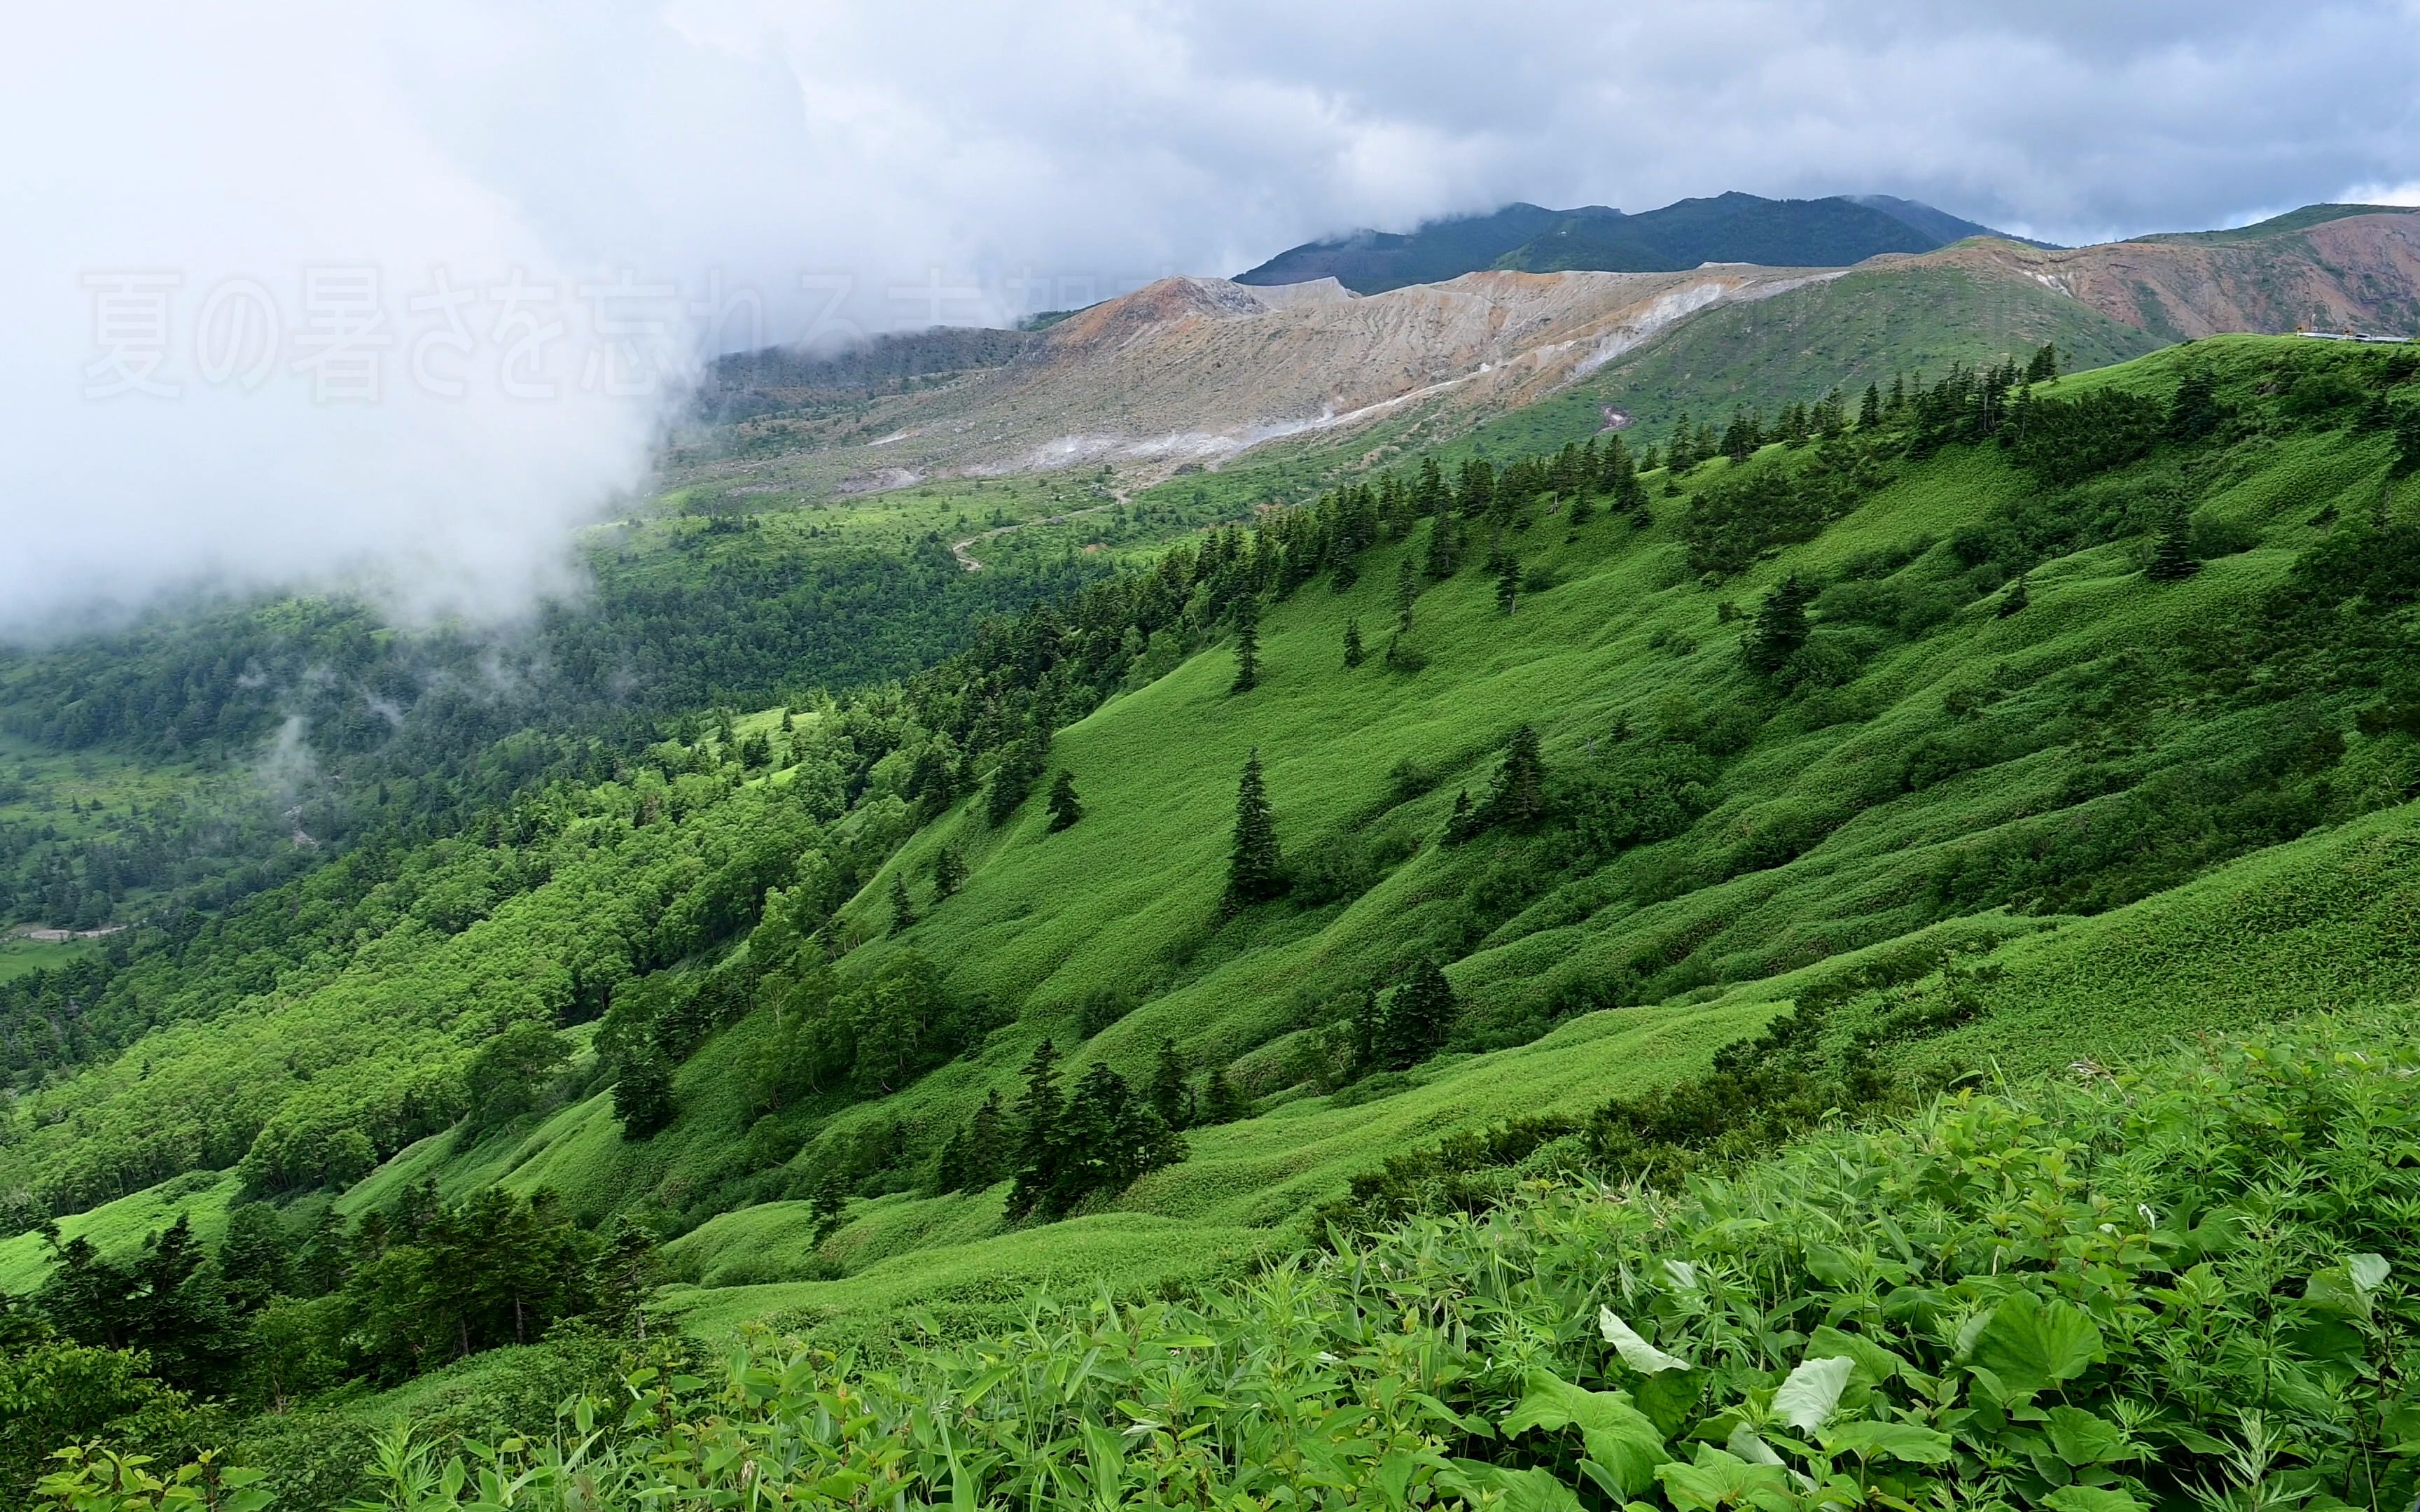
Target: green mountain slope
point(2302, 220)
point(2011, 729)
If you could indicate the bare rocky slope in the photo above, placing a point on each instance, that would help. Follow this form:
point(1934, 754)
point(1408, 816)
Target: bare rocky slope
point(1194, 371)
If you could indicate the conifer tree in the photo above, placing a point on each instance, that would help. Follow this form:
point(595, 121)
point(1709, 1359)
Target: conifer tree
point(1248, 645)
point(1439, 562)
point(1353, 651)
point(1508, 584)
point(1065, 808)
point(1780, 626)
point(1583, 507)
point(2172, 558)
point(1254, 868)
point(624, 1275)
point(1222, 1100)
point(1172, 1098)
point(1011, 780)
point(903, 908)
point(2016, 598)
point(1369, 1022)
point(1407, 592)
point(2194, 412)
point(949, 872)
point(1678, 454)
point(1869, 409)
point(829, 1205)
point(1418, 1016)
point(1429, 495)
point(643, 1092)
point(1464, 822)
point(1519, 796)
point(1038, 1116)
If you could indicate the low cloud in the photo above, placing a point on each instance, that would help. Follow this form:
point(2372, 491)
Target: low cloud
point(551, 210)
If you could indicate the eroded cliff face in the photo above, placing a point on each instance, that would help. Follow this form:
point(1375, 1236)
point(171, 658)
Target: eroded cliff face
point(2362, 270)
point(1193, 371)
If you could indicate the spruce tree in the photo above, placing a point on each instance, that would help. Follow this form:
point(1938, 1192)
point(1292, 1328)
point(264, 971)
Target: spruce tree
point(1222, 1100)
point(1248, 645)
point(1583, 508)
point(1418, 1016)
point(1253, 867)
point(1065, 808)
point(1869, 409)
point(624, 1274)
point(2172, 558)
point(949, 872)
point(1367, 1024)
point(643, 1093)
point(1171, 1097)
point(1519, 796)
point(1464, 822)
point(1780, 626)
point(1039, 1110)
point(903, 908)
point(1353, 655)
point(2194, 412)
point(1011, 780)
point(1508, 584)
point(827, 1205)
point(2016, 598)
point(1407, 592)
point(987, 1144)
point(1439, 563)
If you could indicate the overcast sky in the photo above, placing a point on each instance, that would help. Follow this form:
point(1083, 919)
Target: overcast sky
point(297, 291)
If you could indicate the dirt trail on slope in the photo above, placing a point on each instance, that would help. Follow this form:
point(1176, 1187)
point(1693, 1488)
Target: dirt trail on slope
point(961, 549)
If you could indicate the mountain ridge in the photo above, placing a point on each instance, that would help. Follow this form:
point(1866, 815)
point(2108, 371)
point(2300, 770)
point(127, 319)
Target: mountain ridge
point(1729, 228)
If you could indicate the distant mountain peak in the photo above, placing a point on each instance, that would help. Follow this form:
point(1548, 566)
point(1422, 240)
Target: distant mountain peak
point(1729, 228)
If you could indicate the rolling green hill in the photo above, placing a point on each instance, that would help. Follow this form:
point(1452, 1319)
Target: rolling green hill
point(2013, 728)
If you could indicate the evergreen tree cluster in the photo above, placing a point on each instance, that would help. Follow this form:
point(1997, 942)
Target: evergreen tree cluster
point(1518, 798)
point(273, 1314)
point(1401, 1028)
point(1096, 1137)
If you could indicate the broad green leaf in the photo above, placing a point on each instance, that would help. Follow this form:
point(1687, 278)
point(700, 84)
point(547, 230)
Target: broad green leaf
point(1745, 1444)
point(1669, 1399)
point(1809, 1398)
point(2369, 1272)
point(1523, 1490)
point(2333, 1290)
point(2031, 1344)
point(1715, 1478)
point(1878, 1364)
point(1617, 1434)
point(1899, 1441)
point(1635, 1351)
point(2090, 1499)
point(2081, 1439)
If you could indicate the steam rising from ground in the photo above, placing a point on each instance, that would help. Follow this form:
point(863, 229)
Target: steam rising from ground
point(195, 197)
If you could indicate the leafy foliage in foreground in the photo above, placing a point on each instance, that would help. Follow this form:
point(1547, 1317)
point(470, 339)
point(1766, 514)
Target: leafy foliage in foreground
point(2177, 1286)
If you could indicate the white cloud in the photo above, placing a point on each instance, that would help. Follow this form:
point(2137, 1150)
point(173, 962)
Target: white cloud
point(1038, 156)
